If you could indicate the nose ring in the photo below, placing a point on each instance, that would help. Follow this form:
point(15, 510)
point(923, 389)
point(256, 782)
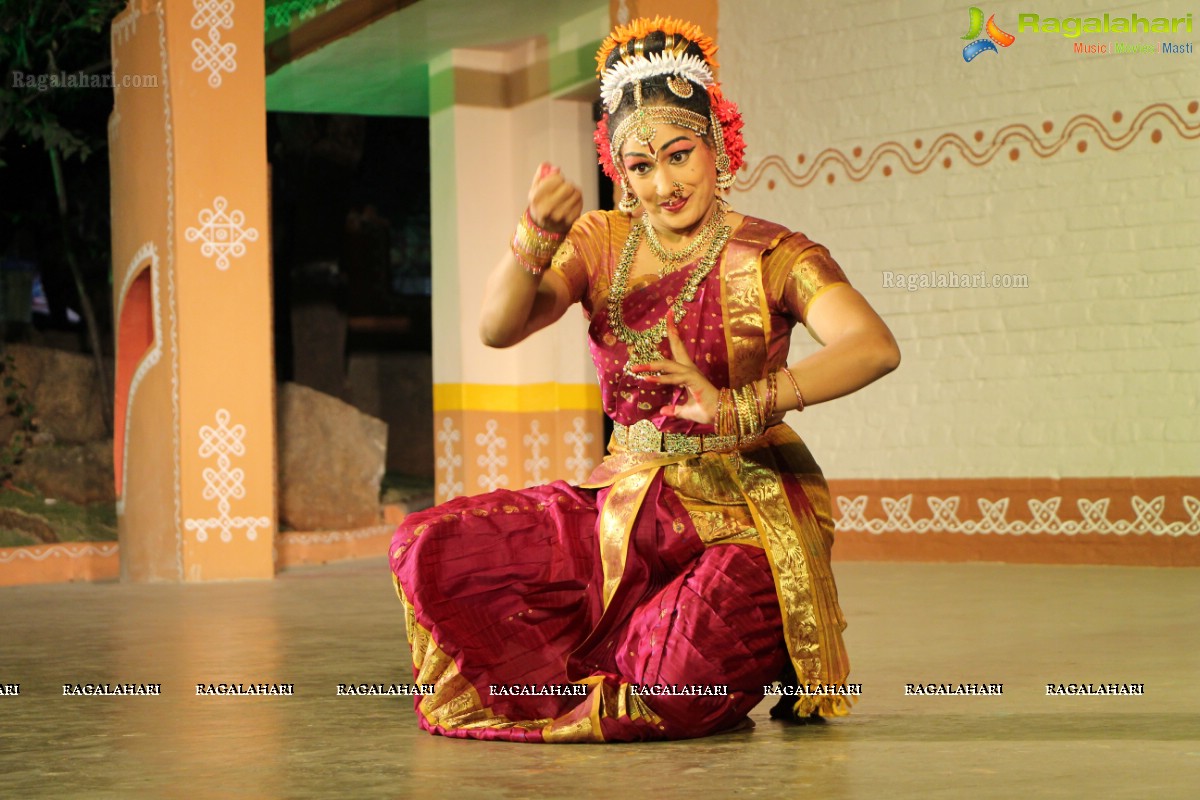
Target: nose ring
point(678, 189)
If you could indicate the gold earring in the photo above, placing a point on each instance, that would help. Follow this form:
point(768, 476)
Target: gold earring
point(724, 175)
point(629, 201)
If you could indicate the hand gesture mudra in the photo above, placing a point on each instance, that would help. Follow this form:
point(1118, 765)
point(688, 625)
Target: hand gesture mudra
point(554, 203)
point(699, 395)
point(698, 400)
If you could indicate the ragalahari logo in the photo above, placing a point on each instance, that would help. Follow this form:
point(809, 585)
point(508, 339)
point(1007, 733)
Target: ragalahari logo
point(995, 36)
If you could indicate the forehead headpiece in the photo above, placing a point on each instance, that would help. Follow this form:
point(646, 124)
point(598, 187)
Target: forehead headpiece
point(684, 73)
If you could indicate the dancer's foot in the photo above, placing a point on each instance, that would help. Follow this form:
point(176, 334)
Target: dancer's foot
point(784, 711)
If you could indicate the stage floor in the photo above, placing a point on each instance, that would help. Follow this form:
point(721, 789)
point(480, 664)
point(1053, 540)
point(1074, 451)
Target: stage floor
point(315, 628)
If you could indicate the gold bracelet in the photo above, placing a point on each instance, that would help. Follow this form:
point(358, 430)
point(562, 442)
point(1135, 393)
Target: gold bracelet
point(747, 414)
point(535, 241)
point(737, 413)
point(533, 265)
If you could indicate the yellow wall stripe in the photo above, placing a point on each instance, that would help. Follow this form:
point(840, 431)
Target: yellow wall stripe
point(525, 397)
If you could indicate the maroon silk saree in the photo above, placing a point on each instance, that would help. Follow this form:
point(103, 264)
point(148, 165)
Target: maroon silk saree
point(659, 599)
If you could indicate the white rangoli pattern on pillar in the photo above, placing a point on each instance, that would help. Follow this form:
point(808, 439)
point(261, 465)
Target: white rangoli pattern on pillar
point(493, 458)
point(224, 235)
point(224, 483)
point(449, 461)
point(213, 55)
point(578, 464)
point(537, 464)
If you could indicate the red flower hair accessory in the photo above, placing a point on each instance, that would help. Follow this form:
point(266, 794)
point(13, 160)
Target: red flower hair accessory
point(604, 150)
point(730, 118)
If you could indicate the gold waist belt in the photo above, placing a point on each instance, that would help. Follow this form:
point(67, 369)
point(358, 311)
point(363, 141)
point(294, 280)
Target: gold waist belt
point(643, 437)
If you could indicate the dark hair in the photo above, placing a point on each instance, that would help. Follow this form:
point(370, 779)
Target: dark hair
point(655, 91)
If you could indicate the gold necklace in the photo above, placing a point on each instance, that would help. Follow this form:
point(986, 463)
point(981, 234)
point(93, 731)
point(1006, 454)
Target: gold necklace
point(671, 259)
point(644, 345)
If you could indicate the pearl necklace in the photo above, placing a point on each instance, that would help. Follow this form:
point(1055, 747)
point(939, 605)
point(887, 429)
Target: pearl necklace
point(644, 345)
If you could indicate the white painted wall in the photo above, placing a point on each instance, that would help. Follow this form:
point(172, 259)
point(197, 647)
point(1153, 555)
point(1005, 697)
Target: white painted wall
point(1091, 370)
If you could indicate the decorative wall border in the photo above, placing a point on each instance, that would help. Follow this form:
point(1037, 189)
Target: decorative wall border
point(335, 537)
point(858, 167)
point(993, 517)
point(65, 562)
point(296, 549)
point(62, 562)
point(1152, 521)
point(9, 555)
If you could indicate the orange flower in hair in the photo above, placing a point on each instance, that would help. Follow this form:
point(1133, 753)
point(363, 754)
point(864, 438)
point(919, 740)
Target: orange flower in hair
point(643, 27)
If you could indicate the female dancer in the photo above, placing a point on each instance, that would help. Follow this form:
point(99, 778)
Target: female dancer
point(657, 600)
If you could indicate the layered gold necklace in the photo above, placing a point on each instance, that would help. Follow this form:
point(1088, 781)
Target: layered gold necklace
point(671, 259)
point(644, 345)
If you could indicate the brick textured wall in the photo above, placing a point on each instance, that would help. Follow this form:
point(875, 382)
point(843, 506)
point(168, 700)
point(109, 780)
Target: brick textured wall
point(868, 131)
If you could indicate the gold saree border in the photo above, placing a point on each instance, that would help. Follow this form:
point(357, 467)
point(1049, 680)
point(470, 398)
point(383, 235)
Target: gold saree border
point(457, 705)
point(604, 701)
point(454, 704)
point(799, 554)
point(617, 517)
point(744, 308)
point(741, 293)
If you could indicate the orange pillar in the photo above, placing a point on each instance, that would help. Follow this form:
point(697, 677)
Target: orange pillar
point(195, 424)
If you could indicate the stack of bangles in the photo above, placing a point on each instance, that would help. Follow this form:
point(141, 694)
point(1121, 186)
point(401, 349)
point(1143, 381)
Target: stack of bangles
point(534, 246)
point(743, 412)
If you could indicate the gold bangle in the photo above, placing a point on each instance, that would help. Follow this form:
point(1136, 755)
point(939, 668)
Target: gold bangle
point(534, 265)
point(799, 397)
point(747, 413)
point(729, 416)
point(534, 240)
point(771, 402)
point(527, 220)
point(719, 426)
point(760, 405)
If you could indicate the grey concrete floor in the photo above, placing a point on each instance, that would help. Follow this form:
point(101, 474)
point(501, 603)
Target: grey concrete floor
point(1023, 626)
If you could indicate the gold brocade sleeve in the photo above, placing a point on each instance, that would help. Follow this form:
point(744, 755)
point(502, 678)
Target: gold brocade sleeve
point(581, 253)
point(795, 272)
